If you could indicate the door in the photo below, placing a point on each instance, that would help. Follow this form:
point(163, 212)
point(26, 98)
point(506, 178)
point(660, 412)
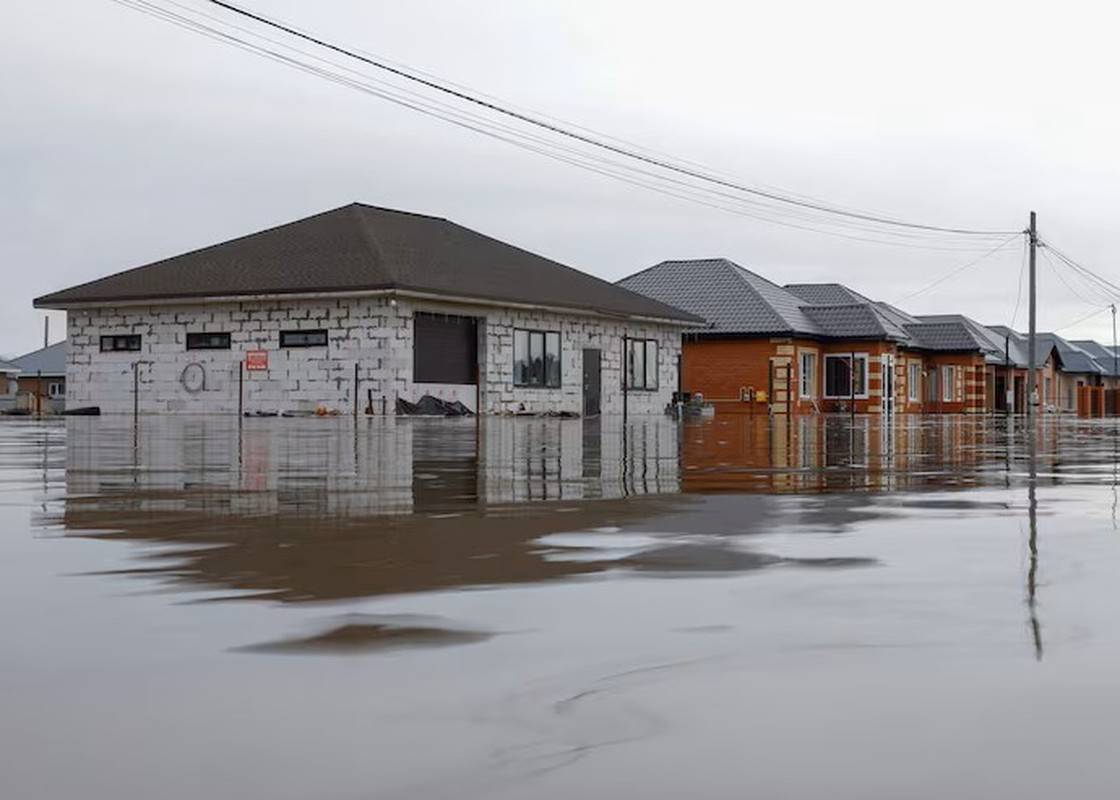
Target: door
point(592, 382)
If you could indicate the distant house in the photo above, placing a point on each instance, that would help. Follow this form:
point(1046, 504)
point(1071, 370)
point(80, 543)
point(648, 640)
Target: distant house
point(9, 384)
point(357, 308)
point(43, 377)
point(1105, 358)
point(1066, 367)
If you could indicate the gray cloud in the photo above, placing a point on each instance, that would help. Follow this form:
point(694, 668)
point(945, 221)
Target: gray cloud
point(127, 139)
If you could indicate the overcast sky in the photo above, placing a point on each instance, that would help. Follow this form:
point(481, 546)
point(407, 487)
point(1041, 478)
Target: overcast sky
point(126, 139)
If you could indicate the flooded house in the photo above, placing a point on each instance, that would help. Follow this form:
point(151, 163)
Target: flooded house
point(9, 385)
point(355, 309)
point(42, 378)
point(807, 348)
point(1073, 375)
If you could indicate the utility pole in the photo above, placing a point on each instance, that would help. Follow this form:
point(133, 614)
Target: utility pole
point(1034, 391)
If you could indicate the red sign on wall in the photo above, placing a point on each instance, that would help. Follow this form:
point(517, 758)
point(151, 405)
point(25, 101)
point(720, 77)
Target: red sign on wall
point(256, 360)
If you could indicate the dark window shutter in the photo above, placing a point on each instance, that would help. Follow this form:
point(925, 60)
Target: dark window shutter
point(445, 349)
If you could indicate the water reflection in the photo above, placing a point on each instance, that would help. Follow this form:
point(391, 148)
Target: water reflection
point(310, 509)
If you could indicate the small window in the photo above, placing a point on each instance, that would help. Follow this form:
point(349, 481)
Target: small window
point(128, 343)
point(303, 338)
point(808, 376)
point(208, 341)
point(641, 364)
point(54, 389)
point(948, 383)
point(914, 382)
point(536, 359)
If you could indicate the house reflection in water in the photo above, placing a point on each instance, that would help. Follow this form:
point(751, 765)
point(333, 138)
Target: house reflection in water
point(311, 509)
point(302, 509)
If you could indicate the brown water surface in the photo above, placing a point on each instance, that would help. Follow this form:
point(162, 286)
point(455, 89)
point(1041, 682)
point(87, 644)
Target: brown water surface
point(740, 607)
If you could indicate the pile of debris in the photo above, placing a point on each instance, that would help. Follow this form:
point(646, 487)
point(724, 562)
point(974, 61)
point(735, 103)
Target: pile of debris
point(428, 406)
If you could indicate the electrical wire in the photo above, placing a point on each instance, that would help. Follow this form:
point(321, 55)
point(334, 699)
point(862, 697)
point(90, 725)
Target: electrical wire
point(566, 131)
point(1019, 293)
point(1102, 283)
point(635, 176)
point(1061, 278)
point(963, 267)
point(1079, 320)
point(502, 133)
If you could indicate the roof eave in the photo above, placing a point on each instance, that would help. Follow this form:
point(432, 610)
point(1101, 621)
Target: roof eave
point(684, 321)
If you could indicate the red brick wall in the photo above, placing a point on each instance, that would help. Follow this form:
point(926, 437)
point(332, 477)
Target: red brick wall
point(969, 384)
point(722, 368)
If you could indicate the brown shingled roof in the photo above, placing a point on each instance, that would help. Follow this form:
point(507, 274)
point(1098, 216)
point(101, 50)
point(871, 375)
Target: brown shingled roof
point(365, 248)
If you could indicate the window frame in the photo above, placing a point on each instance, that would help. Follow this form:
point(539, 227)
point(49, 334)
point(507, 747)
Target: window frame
point(806, 378)
point(197, 334)
point(113, 340)
point(551, 374)
point(914, 382)
point(650, 381)
point(56, 389)
point(864, 358)
point(948, 383)
point(286, 345)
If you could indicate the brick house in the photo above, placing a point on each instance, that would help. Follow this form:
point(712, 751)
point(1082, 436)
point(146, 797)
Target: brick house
point(807, 348)
point(355, 308)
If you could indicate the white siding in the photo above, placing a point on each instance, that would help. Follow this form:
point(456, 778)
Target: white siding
point(372, 332)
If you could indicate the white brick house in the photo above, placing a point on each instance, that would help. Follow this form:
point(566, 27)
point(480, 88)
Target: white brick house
point(356, 307)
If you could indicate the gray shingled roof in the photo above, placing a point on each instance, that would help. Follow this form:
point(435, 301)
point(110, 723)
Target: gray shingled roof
point(733, 300)
point(856, 321)
point(947, 335)
point(1105, 358)
point(8, 368)
point(1088, 358)
point(364, 248)
point(49, 361)
point(826, 294)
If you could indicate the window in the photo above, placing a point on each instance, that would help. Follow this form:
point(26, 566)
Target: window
point(536, 358)
point(117, 344)
point(303, 338)
point(1045, 391)
point(948, 383)
point(838, 375)
point(808, 375)
point(54, 389)
point(641, 364)
point(914, 382)
point(208, 341)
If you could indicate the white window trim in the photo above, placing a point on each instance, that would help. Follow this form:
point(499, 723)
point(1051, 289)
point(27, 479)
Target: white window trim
point(948, 383)
point(801, 375)
point(866, 377)
point(914, 382)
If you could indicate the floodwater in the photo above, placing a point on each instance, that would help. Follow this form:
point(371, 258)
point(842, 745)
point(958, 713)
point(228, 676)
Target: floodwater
point(338, 609)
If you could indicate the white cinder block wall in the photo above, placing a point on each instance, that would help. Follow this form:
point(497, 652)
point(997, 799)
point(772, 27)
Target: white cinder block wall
point(373, 332)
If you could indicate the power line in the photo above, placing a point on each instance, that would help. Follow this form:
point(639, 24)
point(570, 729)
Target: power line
point(1105, 284)
point(1079, 320)
point(1019, 294)
point(567, 132)
point(635, 175)
point(963, 267)
point(1063, 281)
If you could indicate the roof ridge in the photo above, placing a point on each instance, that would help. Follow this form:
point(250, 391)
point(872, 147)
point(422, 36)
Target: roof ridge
point(371, 207)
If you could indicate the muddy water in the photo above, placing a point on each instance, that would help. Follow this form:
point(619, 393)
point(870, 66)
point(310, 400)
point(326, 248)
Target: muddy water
point(305, 608)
